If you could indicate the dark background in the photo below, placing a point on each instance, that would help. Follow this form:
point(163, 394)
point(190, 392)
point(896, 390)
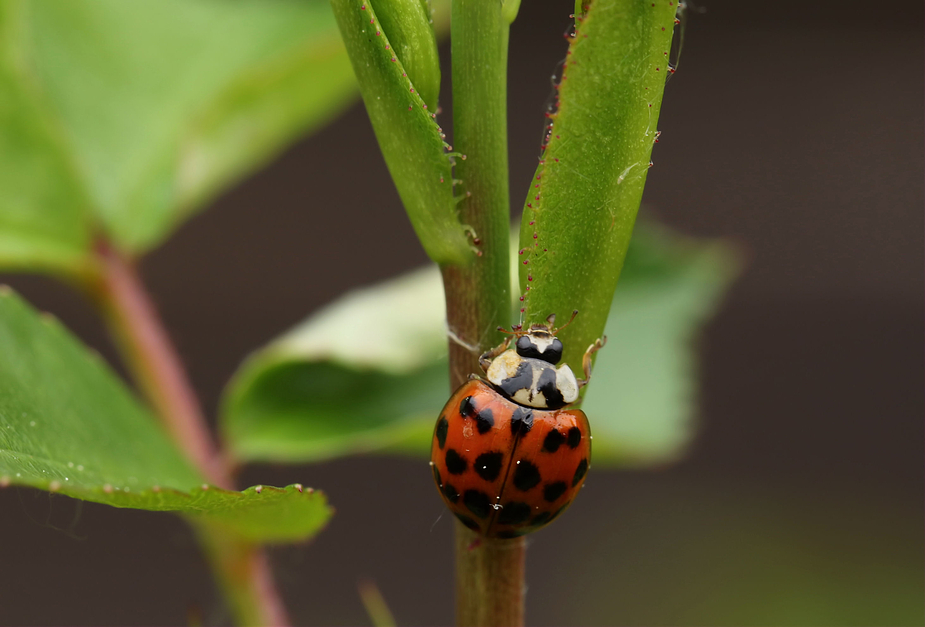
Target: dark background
point(793, 128)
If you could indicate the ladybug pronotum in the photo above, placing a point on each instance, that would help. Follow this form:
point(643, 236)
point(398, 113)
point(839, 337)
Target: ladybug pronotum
point(507, 456)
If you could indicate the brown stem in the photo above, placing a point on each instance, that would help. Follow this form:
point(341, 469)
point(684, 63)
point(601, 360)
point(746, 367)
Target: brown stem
point(242, 568)
point(489, 573)
point(489, 580)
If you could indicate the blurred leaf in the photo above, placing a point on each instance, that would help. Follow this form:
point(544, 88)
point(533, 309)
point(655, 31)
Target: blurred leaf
point(580, 212)
point(44, 213)
point(643, 396)
point(369, 371)
point(138, 113)
point(68, 425)
point(409, 137)
point(351, 378)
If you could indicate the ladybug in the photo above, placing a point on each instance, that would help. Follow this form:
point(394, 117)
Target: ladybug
point(507, 456)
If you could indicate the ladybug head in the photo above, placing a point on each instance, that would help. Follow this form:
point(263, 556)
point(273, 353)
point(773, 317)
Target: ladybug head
point(540, 341)
point(539, 344)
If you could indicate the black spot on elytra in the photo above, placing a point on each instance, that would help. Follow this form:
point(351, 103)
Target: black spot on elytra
point(514, 514)
point(488, 465)
point(553, 441)
point(442, 427)
point(436, 475)
point(467, 407)
point(553, 491)
point(521, 420)
point(526, 476)
point(547, 385)
point(474, 526)
point(574, 437)
point(455, 462)
point(541, 519)
point(477, 503)
point(580, 472)
point(522, 380)
point(485, 421)
point(451, 493)
point(510, 534)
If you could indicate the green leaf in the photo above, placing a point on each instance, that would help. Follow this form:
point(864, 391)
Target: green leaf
point(368, 372)
point(354, 377)
point(643, 398)
point(44, 213)
point(408, 135)
point(125, 117)
point(68, 425)
point(579, 217)
point(410, 31)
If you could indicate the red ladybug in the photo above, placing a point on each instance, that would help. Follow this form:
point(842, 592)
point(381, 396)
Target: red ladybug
point(507, 456)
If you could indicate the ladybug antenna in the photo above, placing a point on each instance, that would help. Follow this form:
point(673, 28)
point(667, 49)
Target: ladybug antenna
point(552, 319)
point(515, 330)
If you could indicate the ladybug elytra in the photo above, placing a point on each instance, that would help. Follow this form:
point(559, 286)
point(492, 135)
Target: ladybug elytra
point(507, 455)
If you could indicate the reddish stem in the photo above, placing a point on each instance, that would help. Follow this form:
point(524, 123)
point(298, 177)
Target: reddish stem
point(158, 371)
point(154, 362)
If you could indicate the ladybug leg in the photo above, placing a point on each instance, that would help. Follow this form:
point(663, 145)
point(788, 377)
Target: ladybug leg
point(487, 357)
point(586, 360)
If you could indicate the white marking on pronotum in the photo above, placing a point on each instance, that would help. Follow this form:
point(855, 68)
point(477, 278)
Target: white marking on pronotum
point(567, 384)
point(542, 343)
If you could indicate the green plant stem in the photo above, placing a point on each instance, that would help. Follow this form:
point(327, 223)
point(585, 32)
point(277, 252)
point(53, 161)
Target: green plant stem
point(243, 572)
point(477, 294)
point(241, 567)
point(489, 573)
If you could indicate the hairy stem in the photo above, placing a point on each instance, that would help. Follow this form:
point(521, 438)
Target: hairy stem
point(241, 568)
point(489, 573)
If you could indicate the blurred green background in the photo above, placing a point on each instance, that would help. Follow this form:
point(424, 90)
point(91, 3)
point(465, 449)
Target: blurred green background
point(795, 130)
